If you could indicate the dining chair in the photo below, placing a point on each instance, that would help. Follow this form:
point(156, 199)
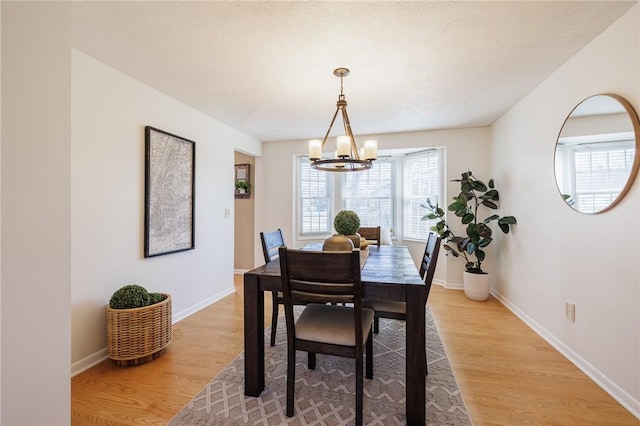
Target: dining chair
point(271, 242)
point(398, 310)
point(370, 234)
point(315, 278)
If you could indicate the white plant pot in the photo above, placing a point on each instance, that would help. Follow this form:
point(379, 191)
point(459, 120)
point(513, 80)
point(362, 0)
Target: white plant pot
point(476, 286)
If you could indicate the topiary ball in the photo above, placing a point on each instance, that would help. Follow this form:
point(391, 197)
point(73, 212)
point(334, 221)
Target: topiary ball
point(156, 298)
point(129, 296)
point(346, 222)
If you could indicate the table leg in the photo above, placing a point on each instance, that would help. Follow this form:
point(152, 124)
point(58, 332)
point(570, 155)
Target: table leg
point(416, 369)
point(253, 336)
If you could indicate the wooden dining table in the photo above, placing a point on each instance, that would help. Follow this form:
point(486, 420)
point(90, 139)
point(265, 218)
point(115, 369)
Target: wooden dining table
point(389, 274)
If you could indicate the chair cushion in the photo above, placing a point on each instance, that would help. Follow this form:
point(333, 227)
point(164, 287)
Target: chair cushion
point(331, 324)
point(394, 307)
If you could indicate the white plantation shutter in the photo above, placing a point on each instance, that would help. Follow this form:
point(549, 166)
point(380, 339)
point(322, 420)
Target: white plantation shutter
point(422, 181)
point(314, 190)
point(600, 174)
point(371, 194)
point(392, 189)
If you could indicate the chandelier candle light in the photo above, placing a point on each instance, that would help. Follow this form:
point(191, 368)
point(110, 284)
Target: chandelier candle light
point(347, 156)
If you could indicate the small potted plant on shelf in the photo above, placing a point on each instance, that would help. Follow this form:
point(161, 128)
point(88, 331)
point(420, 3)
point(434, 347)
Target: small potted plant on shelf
point(138, 325)
point(346, 224)
point(243, 187)
point(473, 195)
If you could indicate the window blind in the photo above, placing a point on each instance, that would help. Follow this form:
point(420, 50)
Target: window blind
point(315, 190)
point(600, 176)
point(371, 194)
point(422, 181)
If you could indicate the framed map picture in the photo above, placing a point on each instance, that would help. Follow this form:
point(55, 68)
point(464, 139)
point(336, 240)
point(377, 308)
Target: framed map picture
point(169, 193)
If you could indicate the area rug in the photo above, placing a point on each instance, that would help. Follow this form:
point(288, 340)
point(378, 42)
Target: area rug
point(326, 395)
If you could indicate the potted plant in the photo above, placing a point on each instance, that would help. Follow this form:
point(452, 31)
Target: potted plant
point(243, 187)
point(346, 224)
point(138, 325)
point(473, 195)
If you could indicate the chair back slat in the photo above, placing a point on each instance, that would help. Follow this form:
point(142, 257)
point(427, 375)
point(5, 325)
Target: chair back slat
point(370, 234)
point(315, 292)
point(271, 242)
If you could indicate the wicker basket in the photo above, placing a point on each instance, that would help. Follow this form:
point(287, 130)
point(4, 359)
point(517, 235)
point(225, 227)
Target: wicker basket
point(138, 335)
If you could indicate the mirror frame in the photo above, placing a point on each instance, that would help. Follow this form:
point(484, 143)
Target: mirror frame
point(636, 158)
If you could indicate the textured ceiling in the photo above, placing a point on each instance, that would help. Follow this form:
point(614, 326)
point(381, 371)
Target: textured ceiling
point(266, 68)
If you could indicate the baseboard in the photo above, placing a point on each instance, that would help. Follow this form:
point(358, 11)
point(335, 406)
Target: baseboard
point(199, 306)
point(616, 392)
point(99, 356)
point(448, 285)
point(88, 362)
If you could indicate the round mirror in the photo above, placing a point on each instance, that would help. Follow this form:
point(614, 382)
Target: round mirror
point(595, 159)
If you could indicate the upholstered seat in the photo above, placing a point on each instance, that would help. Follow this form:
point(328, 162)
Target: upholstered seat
point(331, 324)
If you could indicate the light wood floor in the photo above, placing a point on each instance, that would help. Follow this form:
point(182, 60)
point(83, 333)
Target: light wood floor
point(507, 374)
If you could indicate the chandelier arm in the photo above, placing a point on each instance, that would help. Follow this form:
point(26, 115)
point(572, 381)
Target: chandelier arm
point(330, 126)
point(352, 140)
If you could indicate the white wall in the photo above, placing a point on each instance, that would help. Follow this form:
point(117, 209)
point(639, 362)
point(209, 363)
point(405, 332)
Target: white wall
point(466, 149)
point(35, 213)
point(109, 111)
point(556, 254)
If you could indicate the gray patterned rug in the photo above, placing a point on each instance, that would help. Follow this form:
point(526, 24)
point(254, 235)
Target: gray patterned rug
point(326, 396)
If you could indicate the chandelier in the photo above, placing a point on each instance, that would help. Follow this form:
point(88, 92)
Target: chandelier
point(347, 157)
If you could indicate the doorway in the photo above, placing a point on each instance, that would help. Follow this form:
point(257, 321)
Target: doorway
point(244, 216)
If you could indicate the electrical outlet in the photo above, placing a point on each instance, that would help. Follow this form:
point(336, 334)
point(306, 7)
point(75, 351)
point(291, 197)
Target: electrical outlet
point(570, 311)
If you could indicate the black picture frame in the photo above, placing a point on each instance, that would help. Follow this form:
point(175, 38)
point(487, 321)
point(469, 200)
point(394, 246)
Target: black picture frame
point(170, 171)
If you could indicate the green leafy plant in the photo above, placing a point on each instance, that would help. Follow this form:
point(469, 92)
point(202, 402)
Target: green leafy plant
point(243, 184)
point(134, 296)
point(346, 222)
point(474, 193)
point(156, 298)
point(129, 296)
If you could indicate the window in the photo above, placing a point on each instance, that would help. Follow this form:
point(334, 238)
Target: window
point(422, 181)
point(314, 194)
point(592, 175)
point(370, 194)
point(389, 194)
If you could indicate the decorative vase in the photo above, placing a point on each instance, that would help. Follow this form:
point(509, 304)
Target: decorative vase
point(138, 335)
point(338, 242)
point(476, 286)
point(355, 239)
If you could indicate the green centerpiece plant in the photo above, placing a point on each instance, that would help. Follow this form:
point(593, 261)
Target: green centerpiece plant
point(346, 224)
point(474, 195)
